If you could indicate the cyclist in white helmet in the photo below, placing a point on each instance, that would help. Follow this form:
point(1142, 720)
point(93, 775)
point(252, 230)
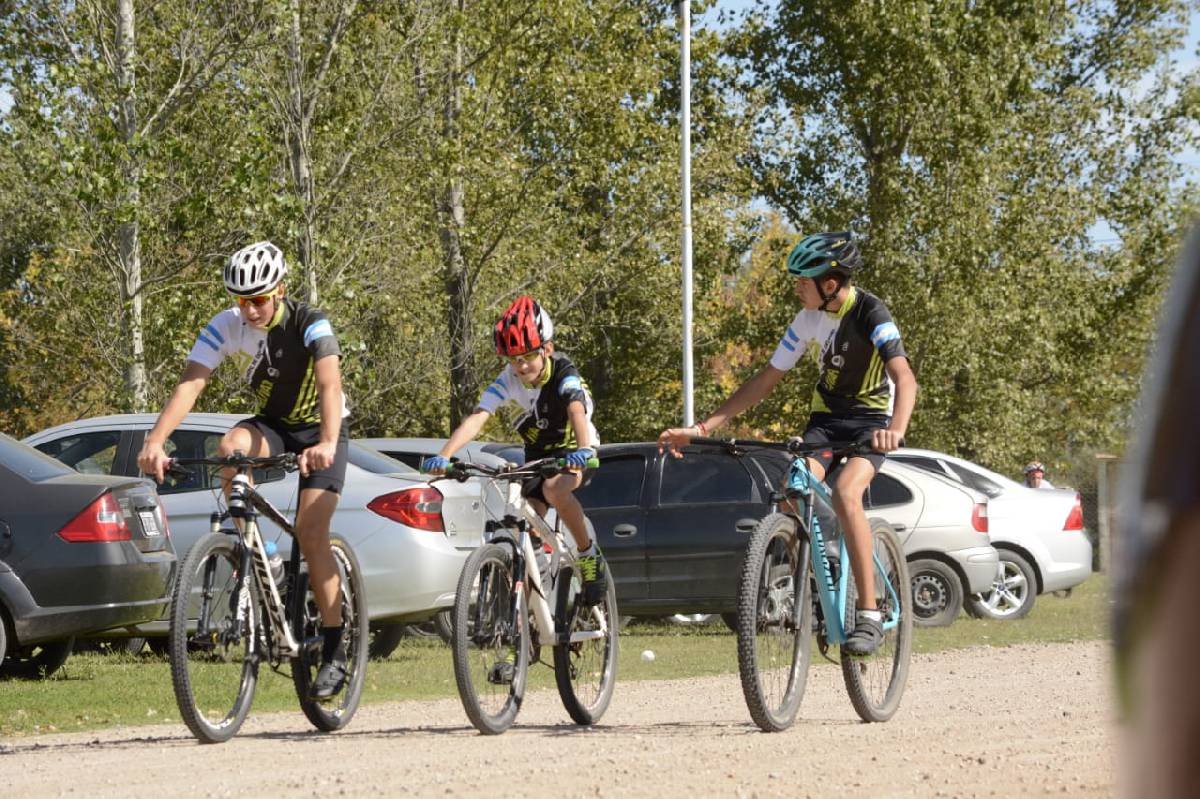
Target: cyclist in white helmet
point(287, 351)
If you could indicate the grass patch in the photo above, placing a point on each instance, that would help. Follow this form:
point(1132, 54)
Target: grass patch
point(94, 690)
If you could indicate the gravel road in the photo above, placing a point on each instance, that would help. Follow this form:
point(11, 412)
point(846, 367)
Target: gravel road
point(1026, 721)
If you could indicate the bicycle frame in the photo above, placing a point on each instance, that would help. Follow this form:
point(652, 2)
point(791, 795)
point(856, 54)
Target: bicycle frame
point(802, 484)
point(245, 503)
point(525, 562)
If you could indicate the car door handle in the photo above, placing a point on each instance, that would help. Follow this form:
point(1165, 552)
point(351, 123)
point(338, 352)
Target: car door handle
point(745, 525)
point(624, 530)
point(899, 528)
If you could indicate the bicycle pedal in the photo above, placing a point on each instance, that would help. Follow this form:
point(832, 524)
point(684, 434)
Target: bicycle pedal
point(501, 673)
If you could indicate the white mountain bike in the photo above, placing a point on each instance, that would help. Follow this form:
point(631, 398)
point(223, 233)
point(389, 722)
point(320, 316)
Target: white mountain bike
point(503, 613)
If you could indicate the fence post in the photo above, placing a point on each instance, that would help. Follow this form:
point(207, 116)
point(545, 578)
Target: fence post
point(1105, 512)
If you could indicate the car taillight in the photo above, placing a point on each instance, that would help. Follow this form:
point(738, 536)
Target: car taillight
point(100, 521)
point(979, 517)
point(419, 507)
point(1075, 517)
point(162, 509)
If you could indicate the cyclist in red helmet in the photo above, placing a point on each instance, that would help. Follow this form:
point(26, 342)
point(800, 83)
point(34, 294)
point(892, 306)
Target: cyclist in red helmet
point(556, 422)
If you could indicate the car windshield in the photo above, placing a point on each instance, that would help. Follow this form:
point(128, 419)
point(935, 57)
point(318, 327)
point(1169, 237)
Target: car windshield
point(376, 462)
point(28, 462)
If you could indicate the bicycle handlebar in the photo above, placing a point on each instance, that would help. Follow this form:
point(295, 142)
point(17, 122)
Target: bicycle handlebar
point(794, 446)
point(286, 461)
point(546, 467)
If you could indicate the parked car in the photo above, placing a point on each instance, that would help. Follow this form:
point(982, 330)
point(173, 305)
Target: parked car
point(1038, 533)
point(79, 553)
point(413, 450)
point(673, 530)
point(410, 537)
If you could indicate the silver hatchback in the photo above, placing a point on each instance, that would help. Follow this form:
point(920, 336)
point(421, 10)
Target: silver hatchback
point(410, 537)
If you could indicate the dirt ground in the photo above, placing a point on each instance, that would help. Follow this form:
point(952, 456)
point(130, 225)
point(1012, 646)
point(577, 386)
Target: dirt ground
point(1023, 721)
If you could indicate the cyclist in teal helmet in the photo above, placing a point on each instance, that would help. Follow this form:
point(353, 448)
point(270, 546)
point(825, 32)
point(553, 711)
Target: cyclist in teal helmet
point(866, 392)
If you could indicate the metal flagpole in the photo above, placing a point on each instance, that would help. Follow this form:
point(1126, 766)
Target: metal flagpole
point(685, 161)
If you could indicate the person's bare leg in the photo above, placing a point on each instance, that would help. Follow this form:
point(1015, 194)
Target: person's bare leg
point(559, 491)
point(852, 481)
point(312, 532)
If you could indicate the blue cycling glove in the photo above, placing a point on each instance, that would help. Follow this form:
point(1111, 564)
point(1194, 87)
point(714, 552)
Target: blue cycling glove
point(580, 457)
point(435, 464)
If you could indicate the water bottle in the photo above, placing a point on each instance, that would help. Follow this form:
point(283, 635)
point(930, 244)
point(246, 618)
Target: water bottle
point(274, 562)
point(541, 554)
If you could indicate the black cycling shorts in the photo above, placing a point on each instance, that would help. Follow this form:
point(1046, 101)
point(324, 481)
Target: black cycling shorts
point(826, 427)
point(286, 438)
point(532, 488)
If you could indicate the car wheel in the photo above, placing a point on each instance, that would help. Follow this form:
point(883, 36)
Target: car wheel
point(384, 640)
point(444, 621)
point(1013, 591)
point(38, 661)
point(937, 593)
point(159, 644)
point(3, 636)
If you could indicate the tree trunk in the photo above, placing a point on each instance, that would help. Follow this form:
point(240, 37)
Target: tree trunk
point(128, 236)
point(298, 137)
point(451, 214)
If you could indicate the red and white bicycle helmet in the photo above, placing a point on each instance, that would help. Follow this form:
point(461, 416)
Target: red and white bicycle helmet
point(523, 328)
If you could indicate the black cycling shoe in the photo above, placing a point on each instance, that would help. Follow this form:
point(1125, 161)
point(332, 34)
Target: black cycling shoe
point(501, 673)
point(866, 637)
point(594, 573)
point(331, 677)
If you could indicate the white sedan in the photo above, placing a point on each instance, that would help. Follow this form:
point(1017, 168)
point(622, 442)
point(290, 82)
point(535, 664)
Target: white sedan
point(1038, 533)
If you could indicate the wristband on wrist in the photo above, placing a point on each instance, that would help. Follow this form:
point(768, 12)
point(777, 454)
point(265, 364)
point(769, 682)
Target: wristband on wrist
point(700, 426)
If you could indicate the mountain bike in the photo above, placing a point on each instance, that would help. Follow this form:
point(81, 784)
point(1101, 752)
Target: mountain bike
point(796, 580)
point(230, 613)
point(503, 617)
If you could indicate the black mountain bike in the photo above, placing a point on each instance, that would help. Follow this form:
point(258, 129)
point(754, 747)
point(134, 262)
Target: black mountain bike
point(229, 614)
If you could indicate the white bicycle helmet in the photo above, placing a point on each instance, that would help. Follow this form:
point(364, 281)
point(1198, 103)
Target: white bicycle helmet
point(255, 270)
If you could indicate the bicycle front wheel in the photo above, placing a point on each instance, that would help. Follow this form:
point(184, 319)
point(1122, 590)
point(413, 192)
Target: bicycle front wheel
point(876, 683)
point(214, 640)
point(335, 712)
point(490, 639)
point(774, 622)
point(585, 666)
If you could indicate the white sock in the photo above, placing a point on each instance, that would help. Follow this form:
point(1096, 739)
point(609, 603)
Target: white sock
point(590, 549)
point(874, 615)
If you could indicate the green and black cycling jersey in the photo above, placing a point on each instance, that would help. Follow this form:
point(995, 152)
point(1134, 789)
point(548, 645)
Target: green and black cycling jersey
point(544, 426)
point(277, 361)
point(851, 346)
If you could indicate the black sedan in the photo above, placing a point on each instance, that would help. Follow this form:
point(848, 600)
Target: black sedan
point(79, 553)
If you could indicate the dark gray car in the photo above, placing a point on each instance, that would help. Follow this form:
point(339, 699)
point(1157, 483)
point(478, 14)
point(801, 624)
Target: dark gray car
point(79, 553)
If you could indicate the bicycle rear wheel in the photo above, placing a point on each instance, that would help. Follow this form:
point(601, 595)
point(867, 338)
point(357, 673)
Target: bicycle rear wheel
point(336, 711)
point(585, 670)
point(490, 640)
point(876, 683)
point(774, 624)
point(214, 640)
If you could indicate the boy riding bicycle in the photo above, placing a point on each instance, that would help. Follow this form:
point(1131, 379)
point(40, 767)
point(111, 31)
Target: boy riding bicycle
point(288, 353)
point(556, 423)
point(865, 392)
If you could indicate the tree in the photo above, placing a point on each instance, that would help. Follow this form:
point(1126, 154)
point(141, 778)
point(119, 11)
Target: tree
point(974, 151)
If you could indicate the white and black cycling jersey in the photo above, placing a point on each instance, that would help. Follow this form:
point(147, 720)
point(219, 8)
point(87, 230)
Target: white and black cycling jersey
point(545, 426)
point(851, 346)
point(277, 361)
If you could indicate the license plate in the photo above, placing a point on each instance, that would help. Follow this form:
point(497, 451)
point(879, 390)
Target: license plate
point(149, 523)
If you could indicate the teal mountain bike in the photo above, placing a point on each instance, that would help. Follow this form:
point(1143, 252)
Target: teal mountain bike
point(796, 581)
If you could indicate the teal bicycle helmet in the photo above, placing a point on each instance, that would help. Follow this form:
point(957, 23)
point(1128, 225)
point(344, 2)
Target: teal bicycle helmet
point(824, 252)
